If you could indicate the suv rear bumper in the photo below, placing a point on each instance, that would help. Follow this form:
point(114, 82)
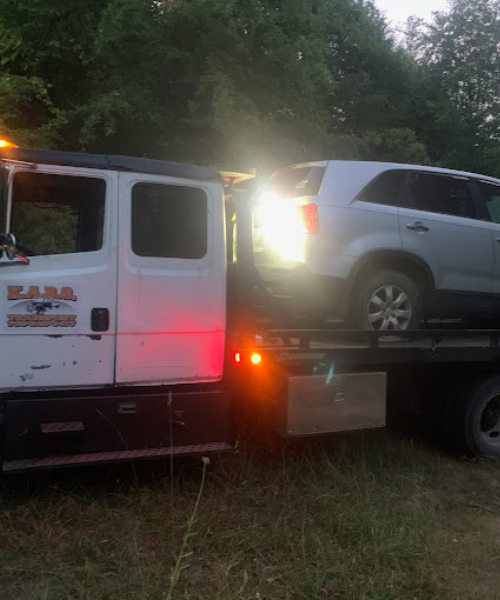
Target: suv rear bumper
point(298, 292)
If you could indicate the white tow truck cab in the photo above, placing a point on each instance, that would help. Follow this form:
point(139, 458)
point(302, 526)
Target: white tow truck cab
point(112, 277)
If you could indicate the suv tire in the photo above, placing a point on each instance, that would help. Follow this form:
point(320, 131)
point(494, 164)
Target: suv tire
point(386, 300)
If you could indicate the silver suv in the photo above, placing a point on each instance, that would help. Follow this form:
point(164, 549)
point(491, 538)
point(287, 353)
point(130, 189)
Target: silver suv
point(380, 245)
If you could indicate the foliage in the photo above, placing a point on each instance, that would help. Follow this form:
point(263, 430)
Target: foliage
point(260, 83)
point(460, 50)
point(399, 143)
point(49, 231)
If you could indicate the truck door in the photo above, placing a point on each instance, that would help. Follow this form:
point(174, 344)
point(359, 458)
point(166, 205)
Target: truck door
point(171, 280)
point(58, 320)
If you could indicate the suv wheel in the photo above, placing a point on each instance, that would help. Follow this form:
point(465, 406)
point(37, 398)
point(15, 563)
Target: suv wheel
point(387, 300)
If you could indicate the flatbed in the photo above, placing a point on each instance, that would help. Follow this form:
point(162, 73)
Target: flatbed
point(287, 346)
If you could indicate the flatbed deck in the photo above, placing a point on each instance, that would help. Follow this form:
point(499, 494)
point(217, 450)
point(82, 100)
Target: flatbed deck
point(289, 346)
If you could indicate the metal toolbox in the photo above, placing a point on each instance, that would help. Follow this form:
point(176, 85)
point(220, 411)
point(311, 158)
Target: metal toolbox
point(315, 404)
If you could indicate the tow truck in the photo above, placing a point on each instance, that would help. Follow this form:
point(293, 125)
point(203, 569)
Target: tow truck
point(127, 334)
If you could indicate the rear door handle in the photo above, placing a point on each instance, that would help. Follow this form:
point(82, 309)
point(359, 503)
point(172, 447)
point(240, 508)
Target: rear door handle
point(417, 226)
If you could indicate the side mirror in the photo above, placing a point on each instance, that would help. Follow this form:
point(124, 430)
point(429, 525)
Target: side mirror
point(8, 245)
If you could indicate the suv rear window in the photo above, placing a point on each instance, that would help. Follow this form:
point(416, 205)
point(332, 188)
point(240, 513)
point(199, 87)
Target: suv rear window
point(301, 181)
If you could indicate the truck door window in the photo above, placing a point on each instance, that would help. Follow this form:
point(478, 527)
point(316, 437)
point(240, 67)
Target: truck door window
point(57, 214)
point(169, 221)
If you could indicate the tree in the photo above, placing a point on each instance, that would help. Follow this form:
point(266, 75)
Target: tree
point(460, 49)
point(45, 50)
point(262, 82)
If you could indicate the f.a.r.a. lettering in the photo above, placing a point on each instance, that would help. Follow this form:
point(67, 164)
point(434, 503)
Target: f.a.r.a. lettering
point(17, 292)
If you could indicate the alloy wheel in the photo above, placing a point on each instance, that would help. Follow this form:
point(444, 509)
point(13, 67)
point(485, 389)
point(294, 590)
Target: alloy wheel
point(389, 308)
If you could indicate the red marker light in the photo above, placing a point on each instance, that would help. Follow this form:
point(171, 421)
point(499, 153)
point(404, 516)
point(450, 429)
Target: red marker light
point(255, 358)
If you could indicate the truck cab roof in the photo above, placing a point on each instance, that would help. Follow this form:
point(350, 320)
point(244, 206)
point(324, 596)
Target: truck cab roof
point(112, 162)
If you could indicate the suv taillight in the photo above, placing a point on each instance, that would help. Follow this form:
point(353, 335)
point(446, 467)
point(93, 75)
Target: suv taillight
point(309, 216)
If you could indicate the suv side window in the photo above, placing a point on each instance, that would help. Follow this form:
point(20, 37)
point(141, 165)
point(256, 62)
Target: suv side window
point(444, 194)
point(491, 195)
point(169, 221)
point(57, 214)
point(385, 189)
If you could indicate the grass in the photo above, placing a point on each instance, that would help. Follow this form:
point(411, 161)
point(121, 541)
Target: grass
point(366, 517)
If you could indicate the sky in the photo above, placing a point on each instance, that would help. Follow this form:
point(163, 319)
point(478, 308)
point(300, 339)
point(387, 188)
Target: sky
point(399, 10)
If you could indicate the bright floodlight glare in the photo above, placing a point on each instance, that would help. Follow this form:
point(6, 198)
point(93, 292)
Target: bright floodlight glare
point(281, 225)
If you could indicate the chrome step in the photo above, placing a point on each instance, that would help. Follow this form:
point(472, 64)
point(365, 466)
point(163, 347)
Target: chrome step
point(68, 460)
